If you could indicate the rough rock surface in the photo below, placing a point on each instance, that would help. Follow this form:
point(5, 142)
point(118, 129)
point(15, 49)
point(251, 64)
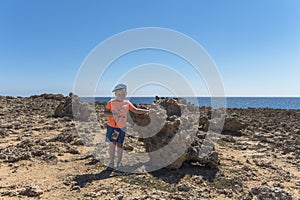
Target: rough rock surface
point(31, 191)
point(176, 123)
point(74, 108)
point(267, 192)
point(42, 157)
point(232, 123)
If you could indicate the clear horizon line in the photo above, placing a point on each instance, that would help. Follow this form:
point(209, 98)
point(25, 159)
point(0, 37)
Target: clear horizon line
point(208, 96)
point(226, 96)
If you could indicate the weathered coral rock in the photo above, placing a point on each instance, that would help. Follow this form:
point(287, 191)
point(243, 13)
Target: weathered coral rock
point(267, 192)
point(74, 108)
point(31, 191)
point(180, 126)
point(233, 125)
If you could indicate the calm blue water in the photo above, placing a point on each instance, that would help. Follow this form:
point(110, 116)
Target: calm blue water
point(232, 102)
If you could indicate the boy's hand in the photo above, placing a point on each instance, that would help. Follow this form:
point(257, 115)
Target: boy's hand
point(151, 110)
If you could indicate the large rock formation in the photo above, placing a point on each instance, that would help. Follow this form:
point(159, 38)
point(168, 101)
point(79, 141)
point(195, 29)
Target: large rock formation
point(179, 132)
point(74, 108)
point(232, 122)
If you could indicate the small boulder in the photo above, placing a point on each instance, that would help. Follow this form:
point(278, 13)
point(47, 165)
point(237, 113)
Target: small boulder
point(233, 125)
point(31, 191)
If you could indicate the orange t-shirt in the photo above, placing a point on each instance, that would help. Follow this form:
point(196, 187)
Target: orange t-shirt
point(119, 110)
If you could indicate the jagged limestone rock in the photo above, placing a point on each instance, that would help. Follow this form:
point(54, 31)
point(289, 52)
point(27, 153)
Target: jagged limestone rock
point(74, 108)
point(177, 129)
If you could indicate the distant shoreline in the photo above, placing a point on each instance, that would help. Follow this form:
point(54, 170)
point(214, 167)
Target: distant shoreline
point(286, 103)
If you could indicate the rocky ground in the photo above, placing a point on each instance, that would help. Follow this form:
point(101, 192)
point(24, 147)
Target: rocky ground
point(42, 157)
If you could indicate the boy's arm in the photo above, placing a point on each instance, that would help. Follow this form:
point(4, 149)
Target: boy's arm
point(107, 113)
point(136, 110)
point(139, 110)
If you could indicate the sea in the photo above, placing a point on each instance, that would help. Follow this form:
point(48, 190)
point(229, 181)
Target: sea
point(290, 103)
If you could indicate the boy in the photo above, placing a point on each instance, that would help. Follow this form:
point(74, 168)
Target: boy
point(116, 110)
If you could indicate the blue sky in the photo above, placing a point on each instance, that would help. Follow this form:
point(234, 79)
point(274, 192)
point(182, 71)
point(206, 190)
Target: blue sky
point(254, 44)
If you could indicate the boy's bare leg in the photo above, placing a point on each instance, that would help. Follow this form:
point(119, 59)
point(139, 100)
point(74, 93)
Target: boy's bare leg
point(119, 152)
point(112, 146)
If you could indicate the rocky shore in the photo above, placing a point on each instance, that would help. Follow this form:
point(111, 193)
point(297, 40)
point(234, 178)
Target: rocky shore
point(257, 155)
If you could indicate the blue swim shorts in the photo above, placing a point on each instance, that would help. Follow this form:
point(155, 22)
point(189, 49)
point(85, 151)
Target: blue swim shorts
point(109, 132)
